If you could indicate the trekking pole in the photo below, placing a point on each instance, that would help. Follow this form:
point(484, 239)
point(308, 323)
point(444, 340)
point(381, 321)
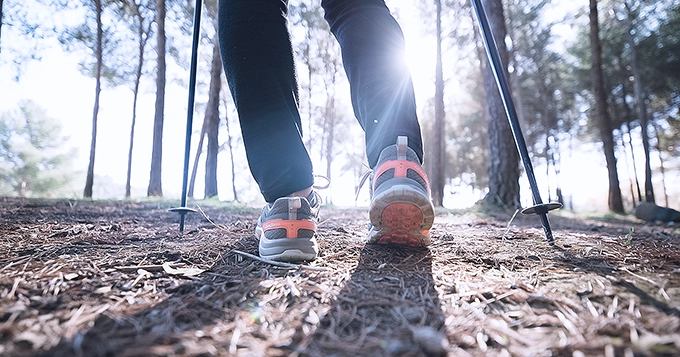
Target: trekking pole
point(539, 207)
point(183, 209)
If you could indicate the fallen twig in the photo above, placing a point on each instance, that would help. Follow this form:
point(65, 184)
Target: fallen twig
point(640, 277)
point(510, 224)
point(17, 261)
point(152, 267)
point(281, 264)
point(218, 226)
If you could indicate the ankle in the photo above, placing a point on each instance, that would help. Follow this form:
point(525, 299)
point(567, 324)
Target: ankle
point(302, 193)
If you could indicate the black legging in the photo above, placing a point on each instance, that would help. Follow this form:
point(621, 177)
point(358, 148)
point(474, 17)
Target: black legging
point(258, 61)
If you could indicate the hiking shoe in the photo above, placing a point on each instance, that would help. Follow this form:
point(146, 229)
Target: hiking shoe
point(401, 210)
point(286, 228)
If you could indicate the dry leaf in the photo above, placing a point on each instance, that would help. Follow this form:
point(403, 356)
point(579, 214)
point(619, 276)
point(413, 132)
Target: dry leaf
point(103, 289)
point(188, 272)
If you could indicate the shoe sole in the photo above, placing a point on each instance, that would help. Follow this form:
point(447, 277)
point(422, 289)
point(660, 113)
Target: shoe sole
point(288, 249)
point(402, 215)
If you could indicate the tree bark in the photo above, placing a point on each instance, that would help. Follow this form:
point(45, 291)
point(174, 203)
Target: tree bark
point(155, 184)
point(503, 157)
point(89, 180)
point(438, 167)
point(212, 118)
point(615, 201)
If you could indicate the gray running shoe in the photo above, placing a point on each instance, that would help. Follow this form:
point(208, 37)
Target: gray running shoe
point(401, 209)
point(287, 228)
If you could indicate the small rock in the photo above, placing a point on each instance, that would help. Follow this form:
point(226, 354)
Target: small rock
point(433, 342)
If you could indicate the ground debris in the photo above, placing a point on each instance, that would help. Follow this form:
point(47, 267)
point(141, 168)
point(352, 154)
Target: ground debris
point(110, 278)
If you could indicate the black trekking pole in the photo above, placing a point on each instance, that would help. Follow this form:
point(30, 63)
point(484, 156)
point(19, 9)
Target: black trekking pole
point(539, 207)
point(183, 209)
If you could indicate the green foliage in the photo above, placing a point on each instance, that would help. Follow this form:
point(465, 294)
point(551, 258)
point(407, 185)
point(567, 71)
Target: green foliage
point(24, 30)
point(32, 162)
point(656, 25)
point(117, 41)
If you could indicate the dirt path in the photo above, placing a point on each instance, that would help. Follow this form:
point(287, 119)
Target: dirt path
point(117, 279)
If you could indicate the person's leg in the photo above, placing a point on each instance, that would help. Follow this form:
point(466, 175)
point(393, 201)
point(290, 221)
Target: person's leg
point(258, 62)
point(372, 46)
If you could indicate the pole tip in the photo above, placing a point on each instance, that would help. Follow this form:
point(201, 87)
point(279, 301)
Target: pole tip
point(182, 212)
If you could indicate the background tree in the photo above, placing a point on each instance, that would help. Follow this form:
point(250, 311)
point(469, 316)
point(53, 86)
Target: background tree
point(542, 87)
point(136, 13)
point(33, 162)
point(615, 201)
point(155, 187)
point(658, 49)
point(640, 98)
point(212, 118)
point(307, 16)
point(438, 166)
point(231, 147)
point(24, 31)
point(212, 110)
point(317, 55)
point(1, 20)
point(99, 49)
point(197, 158)
point(503, 156)
point(91, 35)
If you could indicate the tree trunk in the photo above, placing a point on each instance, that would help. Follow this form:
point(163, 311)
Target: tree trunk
point(330, 134)
point(1, 21)
point(231, 158)
point(155, 184)
point(197, 158)
point(661, 167)
point(615, 201)
point(625, 160)
point(138, 76)
point(438, 167)
point(640, 107)
point(212, 118)
point(128, 186)
point(629, 116)
point(632, 158)
point(89, 180)
point(503, 157)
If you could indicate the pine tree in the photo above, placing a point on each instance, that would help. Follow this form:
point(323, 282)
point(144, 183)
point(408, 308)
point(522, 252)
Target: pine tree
point(32, 160)
point(604, 121)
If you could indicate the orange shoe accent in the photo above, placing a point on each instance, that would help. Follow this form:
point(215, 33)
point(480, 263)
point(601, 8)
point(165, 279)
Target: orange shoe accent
point(400, 168)
point(292, 227)
point(400, 219)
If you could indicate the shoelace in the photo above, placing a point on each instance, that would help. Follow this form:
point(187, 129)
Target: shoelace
point(321, 187)
point(361, 184)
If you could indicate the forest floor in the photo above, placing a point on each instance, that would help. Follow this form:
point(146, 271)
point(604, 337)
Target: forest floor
point(116, 278)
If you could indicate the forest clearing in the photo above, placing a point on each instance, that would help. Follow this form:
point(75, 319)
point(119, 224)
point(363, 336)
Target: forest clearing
point(597, 87)
point(116, 278)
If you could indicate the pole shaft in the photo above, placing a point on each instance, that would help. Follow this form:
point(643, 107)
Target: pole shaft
point(190, 106)
point(504, 88)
